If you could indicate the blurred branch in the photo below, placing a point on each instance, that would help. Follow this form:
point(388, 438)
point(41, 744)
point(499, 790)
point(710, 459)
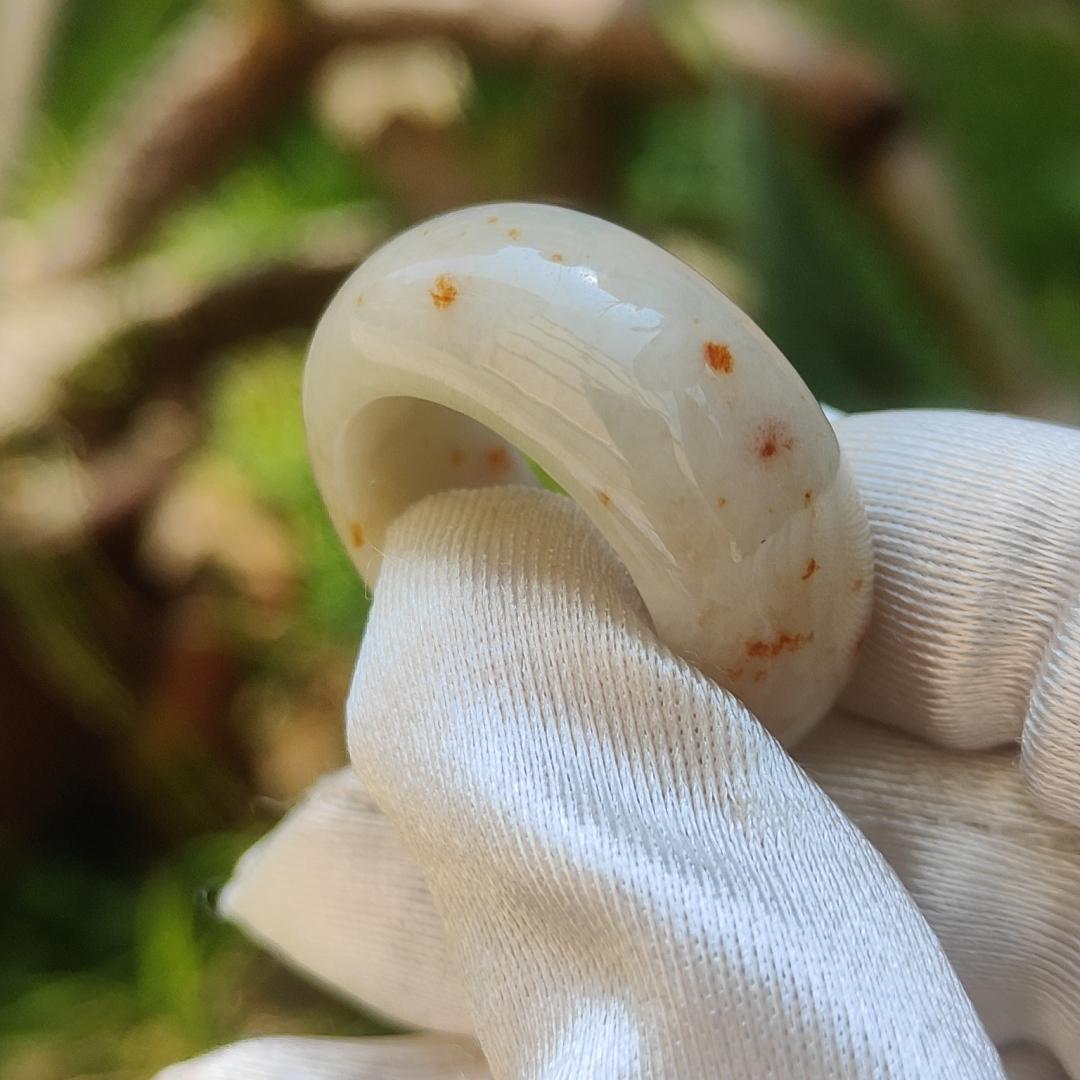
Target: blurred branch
point(210, 519)
point(162, 330)
point(399, 107)
point(26, 32)
point(55, 503)
point(916, 198)
point(51, 505)
point(167, 352)
point(232, 67)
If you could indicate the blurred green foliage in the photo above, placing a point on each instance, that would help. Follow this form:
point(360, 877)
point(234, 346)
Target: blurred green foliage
point(114, 973)
point(250, 428)
point(834, 292)
point(257, 209)
point(100, 47)
point(998, 86)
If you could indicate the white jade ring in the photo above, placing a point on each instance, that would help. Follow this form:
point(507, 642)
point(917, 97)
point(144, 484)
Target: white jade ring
point(516, 329)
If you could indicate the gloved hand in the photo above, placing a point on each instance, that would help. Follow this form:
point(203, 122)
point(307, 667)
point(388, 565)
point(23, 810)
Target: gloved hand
point(565, 842)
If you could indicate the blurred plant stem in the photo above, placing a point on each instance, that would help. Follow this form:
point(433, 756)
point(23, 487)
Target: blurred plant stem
point(26, 32)
point(89, 350)
point(229, 69)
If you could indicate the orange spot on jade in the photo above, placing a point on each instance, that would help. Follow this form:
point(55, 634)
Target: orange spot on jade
point(811, 567)
point(457, 456)
point(514, 234)
point(773, 437)
point(556, 256)
point(721, 502)
point(444, 292)
point(498, 459)
point(356, 533)
point(781, 643)
point(491, 220)
point(718, 357)
point(807, 497)
point(359, 299)
point(604, 497)
point(759, 675)
point(856, 585)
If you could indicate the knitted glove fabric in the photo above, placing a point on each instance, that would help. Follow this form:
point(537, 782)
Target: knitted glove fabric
point(599, 863)
point(636, 879)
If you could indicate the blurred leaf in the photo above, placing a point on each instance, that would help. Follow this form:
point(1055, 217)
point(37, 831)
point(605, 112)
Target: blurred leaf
point(60, 634)
point(256, 424)
point(100, 46)
point(835, 295)
point(129, 978)
point(691, 165)
point(258, 208)
point(175, 929)
point(840, 302)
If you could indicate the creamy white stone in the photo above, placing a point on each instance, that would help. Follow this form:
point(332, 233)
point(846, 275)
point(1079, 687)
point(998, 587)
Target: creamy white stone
point(647, 394)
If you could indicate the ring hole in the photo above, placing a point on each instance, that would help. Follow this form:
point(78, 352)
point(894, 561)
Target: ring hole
point(398, 450)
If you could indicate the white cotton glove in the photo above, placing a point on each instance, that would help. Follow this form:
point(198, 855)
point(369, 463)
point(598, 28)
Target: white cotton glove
point(975, 638)
point(633, 878)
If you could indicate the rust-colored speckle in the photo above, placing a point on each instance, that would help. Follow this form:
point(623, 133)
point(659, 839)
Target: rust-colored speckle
point(811, 569)
point(721, 502)
point(718, 357)
point(735, 672)
point(772, 439)
point(444, 292)
point(457, 456)
point(604, 497)
point(498, 459)
point(556, 256)
point(856, 585)
point(514, 234)
point(807, 497)
point(759, 675)
point(359, 299)
point(781, 643)
point(491, 220)
point(856, 647)
point(356, 534)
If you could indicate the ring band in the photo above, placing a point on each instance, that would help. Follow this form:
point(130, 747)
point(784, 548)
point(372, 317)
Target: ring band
point(659, 406)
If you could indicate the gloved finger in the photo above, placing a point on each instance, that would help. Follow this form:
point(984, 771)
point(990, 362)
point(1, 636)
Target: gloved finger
point(975, 635)
point(921, 805)
point(997, 879)
point(636, 878)
point(406, 1057)
point(329, 892)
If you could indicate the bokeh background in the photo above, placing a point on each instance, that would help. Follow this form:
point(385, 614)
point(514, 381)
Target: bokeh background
point(892, 189)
